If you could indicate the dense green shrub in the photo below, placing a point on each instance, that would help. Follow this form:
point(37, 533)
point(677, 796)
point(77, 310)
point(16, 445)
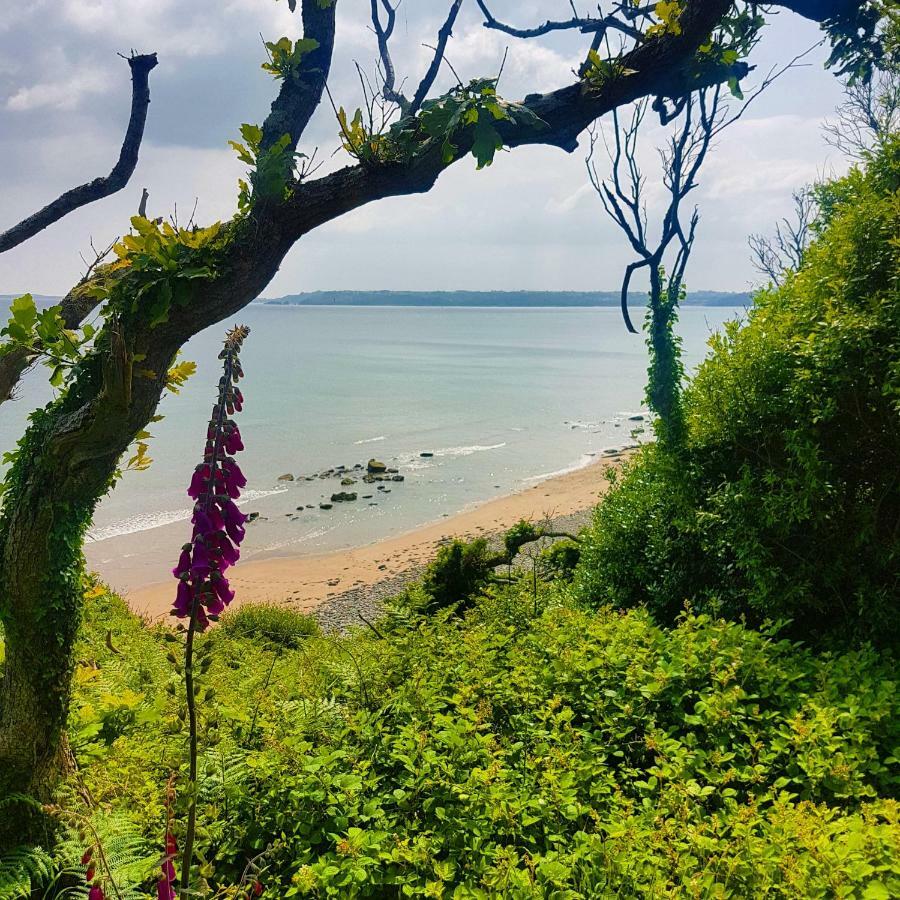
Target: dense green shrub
point(572, 755)
point(457, 573)
point(784, 501)
point(269, 624)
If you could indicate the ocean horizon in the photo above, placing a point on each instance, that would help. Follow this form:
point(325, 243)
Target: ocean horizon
point(466, 403)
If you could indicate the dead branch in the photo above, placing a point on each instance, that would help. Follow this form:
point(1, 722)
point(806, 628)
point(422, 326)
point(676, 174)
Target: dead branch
point(99, 188)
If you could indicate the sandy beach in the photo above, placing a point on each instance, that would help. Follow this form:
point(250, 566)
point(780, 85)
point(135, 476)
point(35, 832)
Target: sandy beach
point(308, 582)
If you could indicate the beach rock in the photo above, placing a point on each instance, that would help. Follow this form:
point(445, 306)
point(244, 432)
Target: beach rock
point(375, 465)
point(636, 418)
point(310, 506)
point(324, 506)
point(426, 454)
point(392, 471)
point(343, 496)
point(358, 466)
point(381, 487)
point(252, 517)
point(612, 451)
point(346, 481)
point(367, 496)
point(369, 479)
point(397, 477)
point(286, 477)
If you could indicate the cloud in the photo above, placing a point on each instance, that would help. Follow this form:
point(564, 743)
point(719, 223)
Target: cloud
point(62, 94)
point(529, 221)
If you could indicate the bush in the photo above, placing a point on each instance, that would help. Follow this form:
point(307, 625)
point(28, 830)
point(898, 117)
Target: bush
point(269, 624)
point(784, 499)
point(458, 573)
point(560, 559)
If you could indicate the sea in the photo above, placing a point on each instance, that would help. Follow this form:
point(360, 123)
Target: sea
point(497, 398)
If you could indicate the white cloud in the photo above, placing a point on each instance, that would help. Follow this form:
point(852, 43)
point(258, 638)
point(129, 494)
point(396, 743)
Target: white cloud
point(65, 93)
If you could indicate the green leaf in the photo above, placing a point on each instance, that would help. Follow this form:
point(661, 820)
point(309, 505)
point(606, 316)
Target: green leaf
point(23, 311)
point(486, 143)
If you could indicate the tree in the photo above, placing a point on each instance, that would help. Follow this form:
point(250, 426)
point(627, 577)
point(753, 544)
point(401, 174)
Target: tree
point(168, 283)
point(623, 201)
point(773, 256)
point(16, 358)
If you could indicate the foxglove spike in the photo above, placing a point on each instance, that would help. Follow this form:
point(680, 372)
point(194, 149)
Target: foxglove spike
point(203, 590)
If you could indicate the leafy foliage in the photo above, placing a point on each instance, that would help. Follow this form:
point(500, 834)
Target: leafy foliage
point(468, 114)
point(458, 572)
point(275, 625)
point(473, 110)
point(286, 56)
point(567, 754)
point(784, 501)
point(43, 333)
point(271, 168)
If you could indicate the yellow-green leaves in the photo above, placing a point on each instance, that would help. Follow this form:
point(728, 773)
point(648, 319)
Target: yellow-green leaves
point(669, 14)
point(43, 333)
point(600, 72)
point(179, 374)
point(361, 142)
point(286, 56)
point(271, 169)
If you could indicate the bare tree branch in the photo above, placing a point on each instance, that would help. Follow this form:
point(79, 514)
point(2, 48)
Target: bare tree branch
point(622, 20)
point(869, 113)
point(785, 252)
point(428, 79)
point(99, 188)
point(301, 92)
point(383, 35)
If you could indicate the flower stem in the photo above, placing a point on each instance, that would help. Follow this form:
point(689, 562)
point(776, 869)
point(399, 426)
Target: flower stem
point(187, 856)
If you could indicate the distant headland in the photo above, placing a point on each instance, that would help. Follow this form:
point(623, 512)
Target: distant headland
point(467, 299)
point(495, 298)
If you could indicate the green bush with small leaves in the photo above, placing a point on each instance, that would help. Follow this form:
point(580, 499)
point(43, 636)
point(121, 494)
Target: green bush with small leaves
point(783, 500)
point(267, 624)
point(523, 749)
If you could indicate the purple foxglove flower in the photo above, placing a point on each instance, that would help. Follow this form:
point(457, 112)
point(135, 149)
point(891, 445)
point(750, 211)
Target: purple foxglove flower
point(233, 441)
point(96, 893)
point(233, 473)
point(220, 586)
point(183, 598)
point(201, 520)
point(200, 563)
point(231, 512)
point(228, 553)
point(184, 561)
point(218, 524)
point(235, 532)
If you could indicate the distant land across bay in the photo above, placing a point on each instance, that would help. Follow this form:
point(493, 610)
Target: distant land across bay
point(466, 299)
point(469, 299)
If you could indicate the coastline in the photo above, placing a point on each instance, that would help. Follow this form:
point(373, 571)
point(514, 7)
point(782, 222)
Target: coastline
point(354, 579)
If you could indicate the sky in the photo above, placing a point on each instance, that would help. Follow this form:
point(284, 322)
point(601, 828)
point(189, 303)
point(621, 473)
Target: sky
point(531, 221)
